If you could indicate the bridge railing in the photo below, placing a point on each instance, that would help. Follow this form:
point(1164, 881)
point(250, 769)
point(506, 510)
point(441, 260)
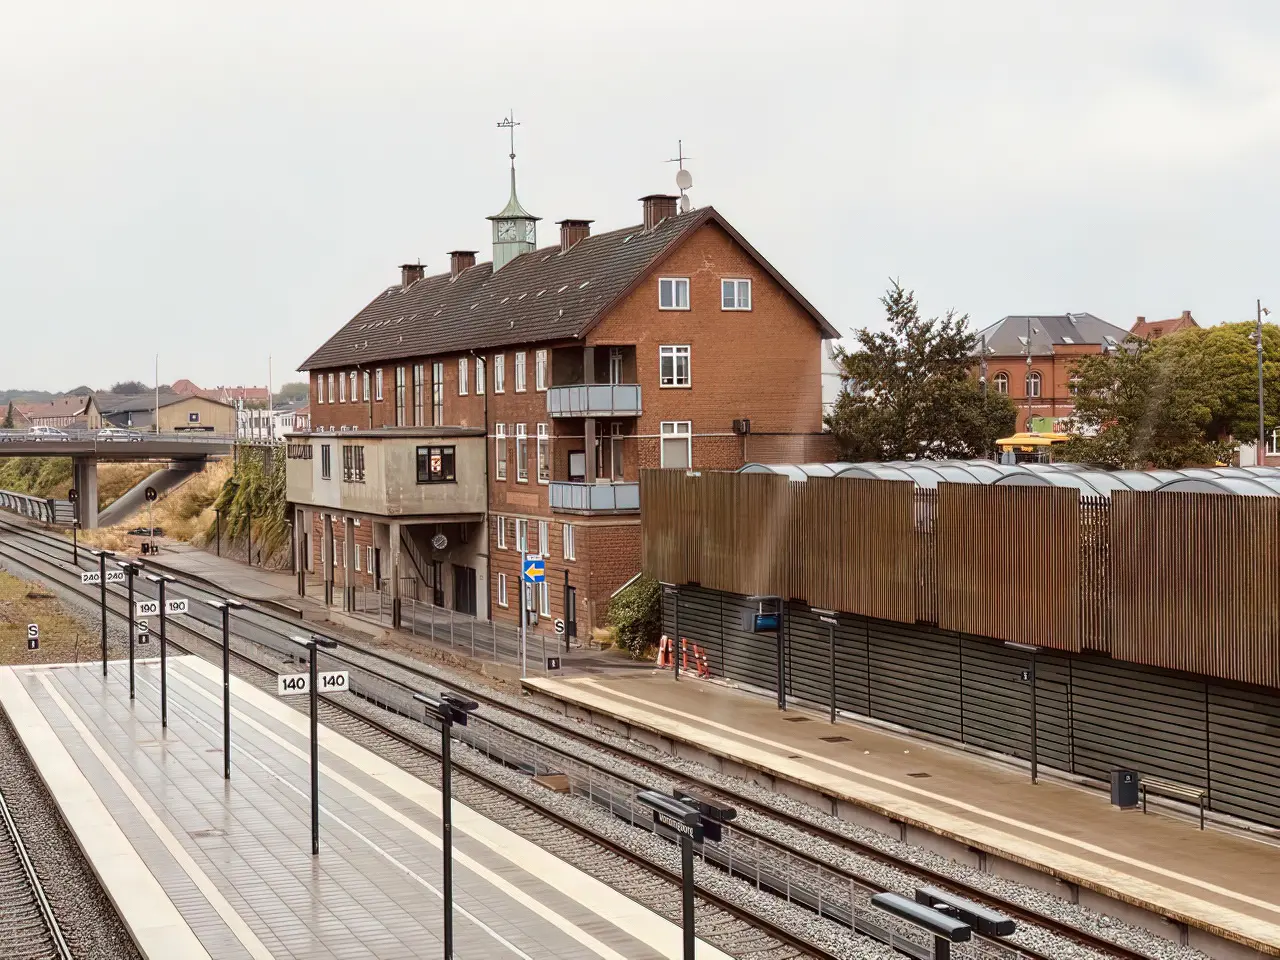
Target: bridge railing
point(43, 509)
point(87, 434)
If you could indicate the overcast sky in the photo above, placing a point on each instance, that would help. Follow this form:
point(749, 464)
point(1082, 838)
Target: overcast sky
point(217, 183)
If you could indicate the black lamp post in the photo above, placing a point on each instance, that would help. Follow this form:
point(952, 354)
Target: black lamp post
point(102, 592)
point(447, 709)
point(674, 593)
point(130, 571)
point(763, 623)
point(161, 579)
point(226, 605)
point(310, 644)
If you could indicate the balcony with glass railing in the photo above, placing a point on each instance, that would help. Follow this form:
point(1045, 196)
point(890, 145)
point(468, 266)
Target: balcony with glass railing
point(602, 497)
point(594, 400)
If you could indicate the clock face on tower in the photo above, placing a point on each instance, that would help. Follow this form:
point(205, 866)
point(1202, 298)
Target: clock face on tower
point(528, 231)
point(506, 230)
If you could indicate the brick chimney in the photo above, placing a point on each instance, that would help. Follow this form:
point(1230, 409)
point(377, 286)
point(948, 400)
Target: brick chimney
point(1186, 314)
point(657, 207)
point(411, 273)
point(571, 231)
point(459, 260)
point(1142, 320)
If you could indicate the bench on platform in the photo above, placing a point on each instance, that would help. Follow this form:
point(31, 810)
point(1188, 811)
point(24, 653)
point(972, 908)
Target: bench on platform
point(1176, 791)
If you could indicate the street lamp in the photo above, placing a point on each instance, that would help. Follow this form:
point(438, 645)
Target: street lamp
point(161, 580)
point(447, 709)
point(1031, 677)
point(1262, 430)
point(130, 570)
point(310, 644)
point(102, 586)
point(226, 605)
point(672, 591)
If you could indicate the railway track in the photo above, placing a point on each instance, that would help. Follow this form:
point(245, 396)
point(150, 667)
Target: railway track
point(29, 929)
point(503, 719)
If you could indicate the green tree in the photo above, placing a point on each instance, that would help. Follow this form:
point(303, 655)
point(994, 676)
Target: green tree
point(294, 390)
point(8, 416)
point(130, 388)
point(1142, 407)
point(636, 615)
point(909, 392)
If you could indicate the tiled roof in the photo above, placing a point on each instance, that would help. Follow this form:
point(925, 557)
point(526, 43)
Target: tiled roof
point(1144, 328)
point(69, 406)
point(539, 296)
point(1007, 337)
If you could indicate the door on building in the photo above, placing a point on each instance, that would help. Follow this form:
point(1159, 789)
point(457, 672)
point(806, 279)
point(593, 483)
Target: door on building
point(377, 568)
point(464, 589)
point(570, 613)
point(437, 582)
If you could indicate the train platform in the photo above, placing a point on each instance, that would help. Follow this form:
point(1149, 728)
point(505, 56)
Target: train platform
point(252, 583)
point(202, 867)
point(1213, 889)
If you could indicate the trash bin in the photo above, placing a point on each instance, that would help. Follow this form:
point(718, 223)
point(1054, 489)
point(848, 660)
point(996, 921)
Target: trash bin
point(1124, 789)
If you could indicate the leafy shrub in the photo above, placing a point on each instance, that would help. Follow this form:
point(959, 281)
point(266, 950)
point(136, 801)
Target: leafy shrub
point(636, 615)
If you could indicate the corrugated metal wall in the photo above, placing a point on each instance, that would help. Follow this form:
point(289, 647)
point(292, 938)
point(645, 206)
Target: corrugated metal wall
point(1093, 713)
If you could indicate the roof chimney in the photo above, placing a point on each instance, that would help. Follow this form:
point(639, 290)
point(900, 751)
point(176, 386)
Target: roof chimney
point(411, 273)
point(657, 207)
point(1186, 314)
point(459, 260)
point(1142, 320)
point(571, 231)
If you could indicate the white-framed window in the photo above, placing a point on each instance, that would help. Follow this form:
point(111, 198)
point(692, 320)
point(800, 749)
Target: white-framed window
point(357, 552)
point(462, 377)
point(1001, 382)
point(677, 444)
point(400, 396)
point(544, 599)
point(342, 389)
point(502, 589)
point(540, 370)
point(735, 294)
point(500, 526)
point(377, 384)
point(673, 366)
point(366, 386)
point(566, 541)
point(368, 559)
point(355, 395)
point(522, 535)
point(520, 380)
point(499, 372)
point(437, 394)
point(500, 451)
point(673, 293)
point(535, 545)
point(544, 454)
point(1033, 384)
point(333, 390)
point(319, 388)
point(419, 393)
point(1273, 443)
point(544, 537)
point(522, 453)
point(615, 364)
point(480, 373)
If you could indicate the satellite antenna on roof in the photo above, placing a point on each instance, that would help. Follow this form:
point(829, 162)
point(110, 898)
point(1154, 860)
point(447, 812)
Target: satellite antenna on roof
point(684, 179)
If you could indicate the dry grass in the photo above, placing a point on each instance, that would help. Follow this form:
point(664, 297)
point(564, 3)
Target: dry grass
point(63, 639)
point(117, 479)
point(183, 513)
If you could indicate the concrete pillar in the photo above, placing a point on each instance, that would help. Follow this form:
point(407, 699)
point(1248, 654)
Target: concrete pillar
point(349, 563)
point(589, 443)
point(326, 548)
point(300, 519)
point(393, 538)
point(84, 477)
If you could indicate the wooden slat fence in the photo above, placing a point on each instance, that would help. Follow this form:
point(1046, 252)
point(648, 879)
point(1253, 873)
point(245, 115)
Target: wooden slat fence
point(1009, 563)
point(1197, 586)
point(926, 516)
point(1096, 588)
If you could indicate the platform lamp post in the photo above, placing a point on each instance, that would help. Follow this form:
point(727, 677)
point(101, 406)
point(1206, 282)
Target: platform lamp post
point(309, 644)
point(74, 496)
point(447, 709)
point(161, 579)
point(102, 595)
point(226, 605)
point(131, 570)
point(1030, 677)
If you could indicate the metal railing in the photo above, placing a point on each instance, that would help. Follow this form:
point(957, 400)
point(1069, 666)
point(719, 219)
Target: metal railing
point(594, 496)
point(594, 400)
point(461, 632)
point(43, 509)
point(90, 434)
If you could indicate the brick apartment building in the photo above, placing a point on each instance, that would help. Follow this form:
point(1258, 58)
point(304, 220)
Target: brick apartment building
point(464, 418)
point(1053, 345)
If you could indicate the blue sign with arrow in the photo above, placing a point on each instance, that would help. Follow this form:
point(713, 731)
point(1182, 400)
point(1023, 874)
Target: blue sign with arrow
point(535, 571)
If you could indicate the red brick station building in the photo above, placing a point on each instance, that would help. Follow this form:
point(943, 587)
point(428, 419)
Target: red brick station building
point(462, 419)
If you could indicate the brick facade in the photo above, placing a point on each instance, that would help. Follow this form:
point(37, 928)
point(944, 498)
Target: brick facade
point(762, 364)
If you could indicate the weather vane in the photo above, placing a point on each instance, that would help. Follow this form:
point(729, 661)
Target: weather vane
point(510, 124)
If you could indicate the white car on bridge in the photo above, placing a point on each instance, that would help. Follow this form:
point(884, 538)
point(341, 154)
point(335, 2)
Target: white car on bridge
point(118, 433)
point(46, 433)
